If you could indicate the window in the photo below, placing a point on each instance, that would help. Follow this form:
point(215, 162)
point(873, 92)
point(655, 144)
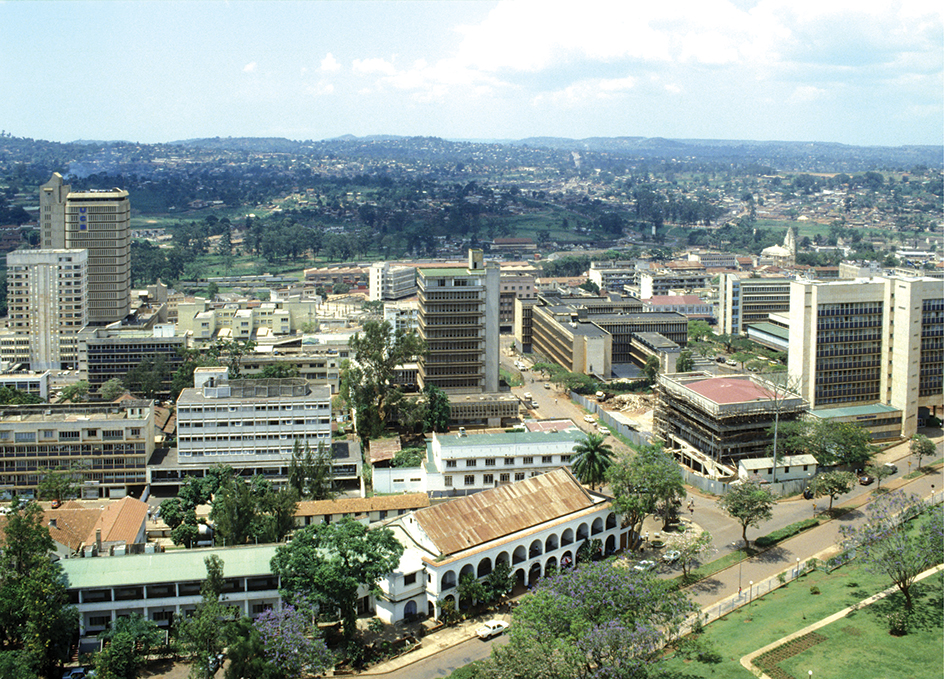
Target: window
point(471, 463)
point(519, 476)
point(489, 461)
point(23, 436)
point(565, 459)
point(409, 579)
point(547, 459)
point(447, 481)
point(504, 478)
point(509, 461)
point(528, 460)
point(68, 435)
point(469, 479)
point(450, 464)
point(488, 479)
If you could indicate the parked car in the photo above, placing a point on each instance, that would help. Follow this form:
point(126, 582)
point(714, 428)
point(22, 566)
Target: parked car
point(547, 386)
point(731, 362)
point(492, 628)
point(604, 430)
point(645, 566)
point(527, 396)
point(671, 555)
point(865, 480)
point(78, 673)
point(891, 467)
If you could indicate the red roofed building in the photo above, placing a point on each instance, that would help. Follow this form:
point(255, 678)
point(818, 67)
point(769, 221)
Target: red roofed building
point(710, 423)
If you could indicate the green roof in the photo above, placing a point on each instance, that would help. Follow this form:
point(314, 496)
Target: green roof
point(771, 329)
point(508, 438)
point(175, 566)
point(853, 411)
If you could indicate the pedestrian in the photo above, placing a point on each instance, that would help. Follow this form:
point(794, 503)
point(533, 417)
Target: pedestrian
point(555, 401)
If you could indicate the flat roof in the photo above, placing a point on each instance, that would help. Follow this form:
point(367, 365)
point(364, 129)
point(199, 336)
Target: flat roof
point(782, 461)
point(723, 390)
point(770, 329)
point(854, 411)
point(449, 273)
point(511, 438)
point(173, 566)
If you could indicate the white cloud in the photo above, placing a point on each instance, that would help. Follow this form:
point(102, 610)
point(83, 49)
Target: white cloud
point(250, 67)
point(329, 64)
point(320, 89)
point(374, 66)
point(587, 90)
point(805, 94)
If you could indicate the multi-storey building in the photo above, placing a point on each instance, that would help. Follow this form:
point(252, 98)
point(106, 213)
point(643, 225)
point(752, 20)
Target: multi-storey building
point(402, 315)
point(613, 276)
point(108, 445)
point(458, 319)
point(391, 282)
point(656, 283)
point(47, 293)
point(249, 424)
point(516, 283)
point(97, 221)
point(115, 350)
point(743, 301)
point(714, 260)
point(870, 341)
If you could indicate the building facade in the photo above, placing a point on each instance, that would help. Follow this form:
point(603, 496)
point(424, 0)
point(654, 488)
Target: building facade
point(870, 341)
point(107, 445)
point(391, 282)
point(458, 320)
point(744, 301)
point(47, 293)
point(112, 352)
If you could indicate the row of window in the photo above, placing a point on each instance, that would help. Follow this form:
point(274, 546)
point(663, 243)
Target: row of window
point(199, 424)
point(52, 434)
point(508, 461)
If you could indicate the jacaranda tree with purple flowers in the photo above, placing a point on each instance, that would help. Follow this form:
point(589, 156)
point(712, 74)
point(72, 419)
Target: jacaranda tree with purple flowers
point(888, 543)
point(291, 644)
point(598, 621)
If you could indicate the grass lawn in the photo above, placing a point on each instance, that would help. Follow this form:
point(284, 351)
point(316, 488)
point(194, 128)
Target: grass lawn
point(793, 607)
point(917, 654)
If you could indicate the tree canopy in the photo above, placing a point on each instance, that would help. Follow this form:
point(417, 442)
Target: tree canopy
point(644, 482)
point(750, 504)
point(326, 563)
point(592, 457)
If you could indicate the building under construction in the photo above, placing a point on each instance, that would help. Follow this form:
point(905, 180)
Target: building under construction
point(709, 423)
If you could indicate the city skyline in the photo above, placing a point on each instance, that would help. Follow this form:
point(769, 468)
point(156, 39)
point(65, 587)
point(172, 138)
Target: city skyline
point(743, 69)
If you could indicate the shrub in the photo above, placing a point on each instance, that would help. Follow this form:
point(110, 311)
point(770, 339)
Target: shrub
point(898, 623)
point(785, 533)
point(814, 590)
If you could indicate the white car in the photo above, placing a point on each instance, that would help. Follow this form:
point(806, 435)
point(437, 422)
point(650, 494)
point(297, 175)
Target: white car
point(527, 396)
point(492, 628)
point(587, 418)
point(671, 555)
point(604, 430)
point(644, 566)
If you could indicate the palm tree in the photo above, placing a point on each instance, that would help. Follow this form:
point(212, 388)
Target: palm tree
point(591, 460)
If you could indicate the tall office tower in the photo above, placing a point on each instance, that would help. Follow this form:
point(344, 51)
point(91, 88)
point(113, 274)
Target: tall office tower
point(97, 221)
point(743, 301)
point(46, 292)
point(878, 341)
point(458, 318)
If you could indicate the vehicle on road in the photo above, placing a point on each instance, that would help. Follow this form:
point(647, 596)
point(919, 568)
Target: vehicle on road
point(671, 556)
point(865, 480)
point(891, 467)
point(527, 396)
point(534, 404)
point(78, 673)
point(588, 418)
point(547, 386)
point(731, 362)
point(645, 566)
point(492, 628)
point(604, 430)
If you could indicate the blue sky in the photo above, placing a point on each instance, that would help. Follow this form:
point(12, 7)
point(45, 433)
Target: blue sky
point(849, 71)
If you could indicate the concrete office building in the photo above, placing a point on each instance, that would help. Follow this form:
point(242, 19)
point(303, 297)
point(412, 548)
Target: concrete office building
point(458, 320)
point(249, 424)
point(97, 221)
point(878, 341)
point(390, 281)
point(47, 293)
point(743, 301)
point(110, 442)
point(111, 352)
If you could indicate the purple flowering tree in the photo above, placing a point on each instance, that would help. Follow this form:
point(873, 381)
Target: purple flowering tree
point(290, 642)
point(598, 621)
point(888, 543)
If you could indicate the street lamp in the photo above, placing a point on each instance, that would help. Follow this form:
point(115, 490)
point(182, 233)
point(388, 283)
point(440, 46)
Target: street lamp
point(796, 574)
point(750, 594)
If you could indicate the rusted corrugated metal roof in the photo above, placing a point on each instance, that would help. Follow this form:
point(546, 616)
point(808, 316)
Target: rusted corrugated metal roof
point(470, 521)
point(360, 505)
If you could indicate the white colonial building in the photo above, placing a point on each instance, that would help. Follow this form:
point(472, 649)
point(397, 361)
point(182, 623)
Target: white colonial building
point(460, 464)
point(534, 526)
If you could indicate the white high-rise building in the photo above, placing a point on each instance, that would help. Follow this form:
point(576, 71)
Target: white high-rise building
point(46, 293)
point(390, 281)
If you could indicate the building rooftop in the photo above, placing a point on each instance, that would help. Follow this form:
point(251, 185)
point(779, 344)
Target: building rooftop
point(771, 329)
point(444, 272)
point(362, 505)
point(854, 411)
point(724, 390)
point(509, 438)
point(782, 461)
point(491, 514)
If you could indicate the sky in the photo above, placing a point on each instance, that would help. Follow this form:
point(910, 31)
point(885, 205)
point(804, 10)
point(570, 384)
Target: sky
point(861, 72)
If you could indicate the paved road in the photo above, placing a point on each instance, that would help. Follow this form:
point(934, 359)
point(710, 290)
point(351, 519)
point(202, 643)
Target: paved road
point(446, 662)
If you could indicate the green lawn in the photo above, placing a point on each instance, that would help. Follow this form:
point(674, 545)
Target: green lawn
point(793, 607)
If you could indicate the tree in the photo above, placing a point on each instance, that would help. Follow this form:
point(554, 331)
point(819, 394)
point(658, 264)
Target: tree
point(230, 353)
point(499, 582)
point(75, 392)
point(889, 544)
point(37, 625)
point(367, 381)
point(203, 635)
point(831, 443)
point(311, 474)
point(328, 562)
point(598, 620)
point(111, 389)
point(147, 378)
point(691, 545)
point(212, 290)
point(748, 503)
point(438, 410)
point(879, 471)
point(253, 511)
point(645, 482)
point(783, 399)
point(921, 447)
point(471, 589)
point(685, 362)
point(592, 457)
point(832, 484)
point(291, 642)
point(651, 370)
point(60, 483)
point(246, 653)
point(699, 331)
point(129, 641)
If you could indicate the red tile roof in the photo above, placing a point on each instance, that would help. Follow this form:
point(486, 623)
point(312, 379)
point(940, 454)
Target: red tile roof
point(723, 390)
